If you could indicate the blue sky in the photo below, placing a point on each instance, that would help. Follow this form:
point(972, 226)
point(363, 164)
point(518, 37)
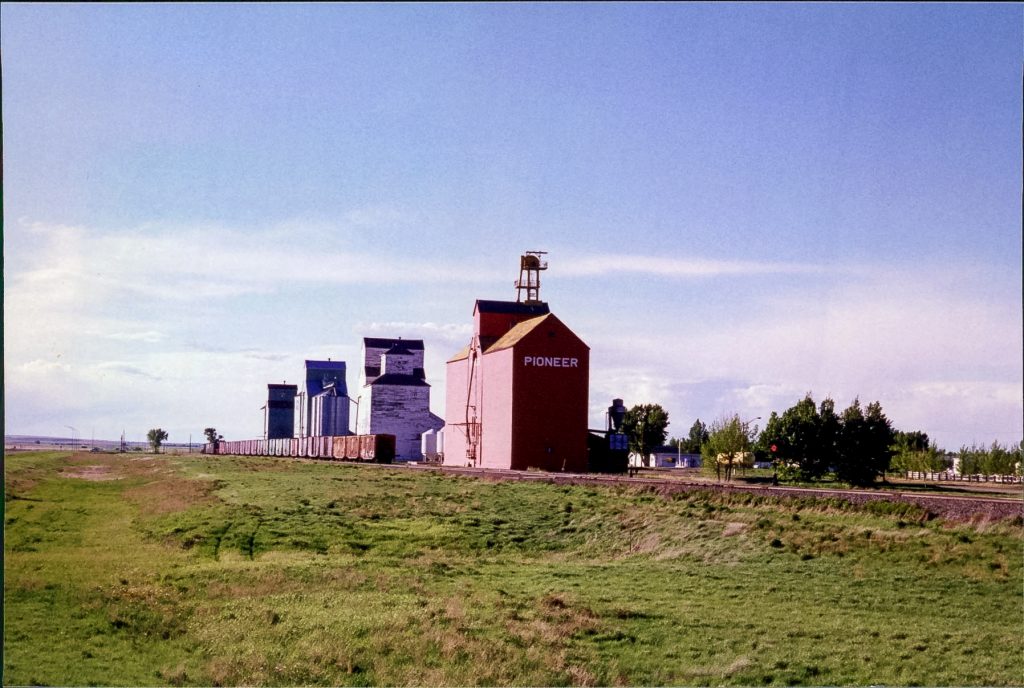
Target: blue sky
point(742, 202)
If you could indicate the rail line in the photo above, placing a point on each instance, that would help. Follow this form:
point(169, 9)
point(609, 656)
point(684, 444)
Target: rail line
point(952, 507)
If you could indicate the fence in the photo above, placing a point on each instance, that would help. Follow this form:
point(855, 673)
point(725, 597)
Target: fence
point(955, 477)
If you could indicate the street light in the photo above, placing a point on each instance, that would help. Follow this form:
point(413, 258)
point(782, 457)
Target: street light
point(747, 439)
point(74, 439)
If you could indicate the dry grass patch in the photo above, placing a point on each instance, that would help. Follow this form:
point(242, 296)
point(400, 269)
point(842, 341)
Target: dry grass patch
point(92, 473)
point(170, 494)
point(263, 584)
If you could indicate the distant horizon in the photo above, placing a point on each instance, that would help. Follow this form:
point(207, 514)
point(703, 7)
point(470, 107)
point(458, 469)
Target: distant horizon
point(12, 439)
point(52, 439)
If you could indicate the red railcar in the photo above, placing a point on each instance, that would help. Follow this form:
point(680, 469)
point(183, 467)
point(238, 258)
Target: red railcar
point(365, 448)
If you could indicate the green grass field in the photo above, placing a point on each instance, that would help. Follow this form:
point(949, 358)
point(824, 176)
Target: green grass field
point(141, 570)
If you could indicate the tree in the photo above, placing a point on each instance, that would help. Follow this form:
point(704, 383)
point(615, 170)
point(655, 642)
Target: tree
point(767, 446)
point(211, 435)
point(994, 460)
point(865, 448)
point(645, 425)
point(692, 443)
point(156, 436)
point(728, 445)
point(914, 451)
point(915, 441)
point(829, 437)
point(697, 437)
point(804, 444)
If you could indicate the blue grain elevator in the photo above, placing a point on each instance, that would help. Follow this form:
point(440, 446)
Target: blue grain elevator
point(280, 411)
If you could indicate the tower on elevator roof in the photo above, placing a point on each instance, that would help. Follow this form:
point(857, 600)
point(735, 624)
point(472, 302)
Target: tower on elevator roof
point(530, 265)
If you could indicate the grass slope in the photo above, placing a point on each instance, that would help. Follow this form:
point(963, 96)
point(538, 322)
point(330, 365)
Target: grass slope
point(231, 570)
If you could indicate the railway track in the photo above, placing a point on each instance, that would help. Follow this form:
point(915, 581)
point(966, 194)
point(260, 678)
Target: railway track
point(950, 507)
point(958, 508)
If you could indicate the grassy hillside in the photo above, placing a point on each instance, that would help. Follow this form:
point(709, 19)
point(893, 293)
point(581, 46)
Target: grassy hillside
point(229, 570)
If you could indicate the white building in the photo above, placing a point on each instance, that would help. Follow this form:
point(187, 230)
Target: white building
point(667, 457)
point(395, 396)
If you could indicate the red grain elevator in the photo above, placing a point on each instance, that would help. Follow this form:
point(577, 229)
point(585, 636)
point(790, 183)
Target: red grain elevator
point(517, 394)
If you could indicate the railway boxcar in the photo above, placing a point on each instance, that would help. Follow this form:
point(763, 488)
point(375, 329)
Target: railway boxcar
point(377, 448)
point(365, 448)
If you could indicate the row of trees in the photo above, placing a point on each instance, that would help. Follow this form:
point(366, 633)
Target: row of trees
point(913, 451)
point(993, 460)
point(805, 442)
point(156, 437)
point(808, 440)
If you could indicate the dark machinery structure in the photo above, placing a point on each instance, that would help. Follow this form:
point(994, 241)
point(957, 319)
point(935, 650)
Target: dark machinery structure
point(608, 449)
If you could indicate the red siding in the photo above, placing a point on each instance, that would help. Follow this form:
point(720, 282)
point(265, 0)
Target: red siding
point(550, 419)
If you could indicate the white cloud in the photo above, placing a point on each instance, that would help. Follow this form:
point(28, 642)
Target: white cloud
point(123, 369)
point(148, 336)
point(659, 266)
point(40, 367)
point(79, 267)
point(449, 333)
